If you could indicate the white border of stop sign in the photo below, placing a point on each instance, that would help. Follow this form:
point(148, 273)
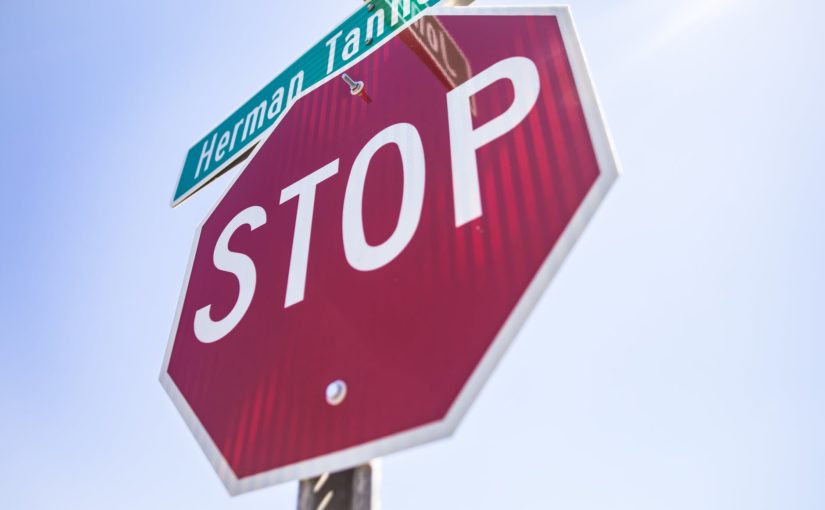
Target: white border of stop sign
point(467, 207)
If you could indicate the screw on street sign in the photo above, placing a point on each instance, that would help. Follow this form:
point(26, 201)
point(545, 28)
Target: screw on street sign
point(360, 279)
point(232, 140)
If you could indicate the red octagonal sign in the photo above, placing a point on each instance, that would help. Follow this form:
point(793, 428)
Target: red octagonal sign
point(357, 283)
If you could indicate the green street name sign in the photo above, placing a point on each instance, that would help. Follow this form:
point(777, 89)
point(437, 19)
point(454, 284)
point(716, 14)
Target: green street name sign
point(234, 138)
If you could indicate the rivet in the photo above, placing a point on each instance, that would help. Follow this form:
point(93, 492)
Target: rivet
point(336, 392)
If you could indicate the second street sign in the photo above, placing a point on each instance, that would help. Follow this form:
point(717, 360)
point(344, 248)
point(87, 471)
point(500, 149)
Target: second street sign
point(234, 138)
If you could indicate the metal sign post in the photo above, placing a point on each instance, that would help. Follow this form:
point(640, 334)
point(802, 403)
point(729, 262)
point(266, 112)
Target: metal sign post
point(351, 489)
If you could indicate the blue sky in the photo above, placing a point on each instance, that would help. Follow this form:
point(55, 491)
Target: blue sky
point(675, 361)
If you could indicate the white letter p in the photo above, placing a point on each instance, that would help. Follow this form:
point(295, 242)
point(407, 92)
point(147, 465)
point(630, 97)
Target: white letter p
point(465, 141)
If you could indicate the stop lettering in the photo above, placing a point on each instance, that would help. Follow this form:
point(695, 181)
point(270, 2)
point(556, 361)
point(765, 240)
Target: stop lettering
point(465, 140)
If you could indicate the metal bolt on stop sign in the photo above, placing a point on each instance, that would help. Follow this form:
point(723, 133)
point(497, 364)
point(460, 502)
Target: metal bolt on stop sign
point(336, 392)
point(355, 87)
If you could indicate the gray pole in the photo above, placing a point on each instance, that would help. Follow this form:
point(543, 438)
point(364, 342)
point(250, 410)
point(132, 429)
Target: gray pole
point(352, 489)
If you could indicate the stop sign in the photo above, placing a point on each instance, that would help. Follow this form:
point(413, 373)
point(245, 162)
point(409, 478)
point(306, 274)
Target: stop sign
point(357, 283)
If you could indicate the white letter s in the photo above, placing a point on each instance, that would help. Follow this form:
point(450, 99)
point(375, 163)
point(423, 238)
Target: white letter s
point(207, 330)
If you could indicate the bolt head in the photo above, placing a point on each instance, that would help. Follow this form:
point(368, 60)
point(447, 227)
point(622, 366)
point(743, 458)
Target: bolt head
point(336, 392)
